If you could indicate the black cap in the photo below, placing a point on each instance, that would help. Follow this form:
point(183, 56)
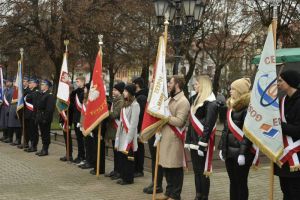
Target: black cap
point(120, 87)
point(130, 88)
point(292, 78)
point(47, 82)
point(26, 78)
point(139, 81)
point(34, 80)
point(9, 80)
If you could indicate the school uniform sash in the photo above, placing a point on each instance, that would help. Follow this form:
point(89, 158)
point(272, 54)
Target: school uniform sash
point(28, 105)
point(291, 148)
point(6, 103)
point(239, 134)
point(126, 126)
point(78, 104)
point(199, 128)
point(115, 122)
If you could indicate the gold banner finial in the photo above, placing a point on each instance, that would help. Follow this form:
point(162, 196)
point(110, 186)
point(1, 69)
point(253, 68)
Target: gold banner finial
point(100, 38)
point(66, 43)
point(22, 52)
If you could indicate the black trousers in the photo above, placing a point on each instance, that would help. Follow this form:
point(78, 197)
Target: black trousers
point(5, 133)
point(33, 133)
point(89, 147)
point(202, 183)
point(80, 143)
point(174, 177)
point(45, 134)
point(290, 188)
point(153, 158)
point(26, 131)
point(238, 176)
point(70, 143)
point(127, 166)
point(17, 130)
point(102, 154)
point(139, 156)
point(116, 158)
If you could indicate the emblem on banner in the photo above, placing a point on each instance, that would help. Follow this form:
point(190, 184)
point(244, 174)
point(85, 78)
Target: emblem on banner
point(268, 130)
point(267, 91)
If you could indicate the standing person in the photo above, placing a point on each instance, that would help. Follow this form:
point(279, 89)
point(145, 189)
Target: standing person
point(141, 97)
point(45, 109)
point(126, 137)
point(203, 117)
point(26, 90)
point(31, 127)
point(237, 154)
point(171, 152)
point(14, 124)
point(289, 174)
point(77, 109)
point(113, 124)
point(7, 96)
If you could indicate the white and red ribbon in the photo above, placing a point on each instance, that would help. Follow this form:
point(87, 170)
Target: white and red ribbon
point(126, 126)
point(198, 127)
point(6, 103)
point(78, 104)
point(28, 105)
point(239, 134)
point(291, 148)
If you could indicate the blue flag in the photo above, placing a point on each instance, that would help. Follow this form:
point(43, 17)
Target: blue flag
point(19, 87)
point(1, 86)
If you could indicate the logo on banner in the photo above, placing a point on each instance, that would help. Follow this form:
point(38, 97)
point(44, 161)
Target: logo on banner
point(268, 130)
point(94, 93)
point(267, 91)
point(64, 77)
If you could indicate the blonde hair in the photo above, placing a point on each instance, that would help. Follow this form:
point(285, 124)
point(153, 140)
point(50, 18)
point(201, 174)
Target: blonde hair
point(204, 91)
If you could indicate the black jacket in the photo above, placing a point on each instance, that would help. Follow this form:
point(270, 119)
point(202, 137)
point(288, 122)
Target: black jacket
point(207, 115)
point(141, 98)
point(76, 113)
point(32, 97)
point(45, 107)
point(292, 129)
point(230, 146)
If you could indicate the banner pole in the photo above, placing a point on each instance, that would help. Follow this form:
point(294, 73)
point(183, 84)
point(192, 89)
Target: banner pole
point(98, 151)
point(156, 170)
point(274, 28)
point(23, 116)
point(66, 43)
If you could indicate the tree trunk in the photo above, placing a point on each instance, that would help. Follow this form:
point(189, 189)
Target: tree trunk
point(217, 76)
point(111, 79)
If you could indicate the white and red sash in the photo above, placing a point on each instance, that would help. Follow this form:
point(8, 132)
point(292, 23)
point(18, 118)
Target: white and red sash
point(78, 104)
point(115, 122)
point(198, 127)
point(6, 103)
point(180, 133)
point(291, 148)
point(239, 134)
point(28, 105)
point(126, 126)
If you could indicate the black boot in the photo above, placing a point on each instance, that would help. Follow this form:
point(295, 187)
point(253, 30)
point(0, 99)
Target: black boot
point(43, 152)
point(31, 149)
point(8, 140)
point(198, 196)
point(149, 189)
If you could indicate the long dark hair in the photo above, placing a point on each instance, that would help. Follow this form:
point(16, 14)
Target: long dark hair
point(128, 101)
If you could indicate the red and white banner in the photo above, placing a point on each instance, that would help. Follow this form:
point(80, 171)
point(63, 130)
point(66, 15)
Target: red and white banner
point(96, 105)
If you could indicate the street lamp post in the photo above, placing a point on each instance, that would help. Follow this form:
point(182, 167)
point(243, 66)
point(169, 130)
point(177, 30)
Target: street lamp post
point(184, 19)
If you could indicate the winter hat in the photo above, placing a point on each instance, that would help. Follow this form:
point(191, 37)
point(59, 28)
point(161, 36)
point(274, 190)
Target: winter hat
point(120, 87)
point(34, 80)
point(241, 85)
point(130, 88)
point(47, 82)
point(139, 81)
point(292, 78)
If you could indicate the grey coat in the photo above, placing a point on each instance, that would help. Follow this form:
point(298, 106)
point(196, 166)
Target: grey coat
point(13, 120)
point(123, 139)
point(4, 110)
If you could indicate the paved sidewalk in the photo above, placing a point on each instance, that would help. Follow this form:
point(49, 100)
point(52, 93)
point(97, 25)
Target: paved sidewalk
point(25, 176)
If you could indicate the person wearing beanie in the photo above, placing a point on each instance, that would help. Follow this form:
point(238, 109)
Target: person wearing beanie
point(113, 124)
point(141, 97)
point(289, 174)
point(44, 116)
point(126, 136)
point(236, 151)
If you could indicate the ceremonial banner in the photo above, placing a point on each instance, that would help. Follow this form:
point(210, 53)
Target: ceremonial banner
point(262, 123)
point(157, 111)
point(96, 108)
point(18, 90)
point(1, 86)
point(63, 92)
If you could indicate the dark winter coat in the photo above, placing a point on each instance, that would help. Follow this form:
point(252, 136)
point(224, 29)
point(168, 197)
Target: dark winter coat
point(292, 129)
point(8, 92)
point(114, 114)
point(141, 98)
point(32, 97)
point(76, 113)
point(13, 119)
point(45, 107)
point(230, 146)
point(207, 115)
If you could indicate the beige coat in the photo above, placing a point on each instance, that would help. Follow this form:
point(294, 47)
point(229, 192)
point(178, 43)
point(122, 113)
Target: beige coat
point(171, 147)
